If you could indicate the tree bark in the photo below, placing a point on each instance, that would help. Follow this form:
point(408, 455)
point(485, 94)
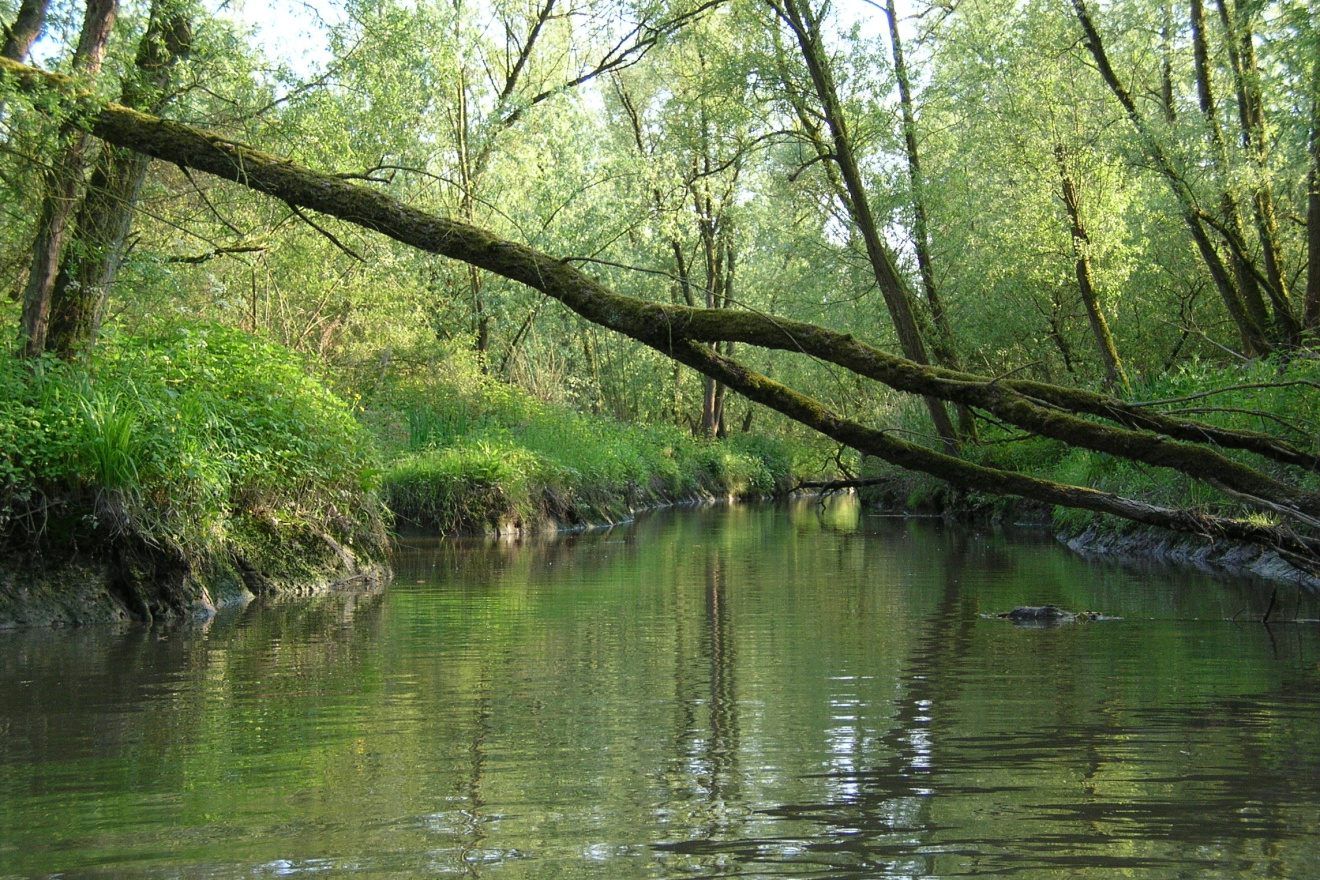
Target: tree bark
point(1304, 551)
point(63, 187)
point(1166, 65)
point(1243, 271)
point(684, 334)
point(893, 288)
point(89, 265)
point(20, 36)
point(946, 351)
point(1312, 306)
point(1115, 378)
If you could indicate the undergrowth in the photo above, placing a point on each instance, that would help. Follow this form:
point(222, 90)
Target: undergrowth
point(174, 438)
point(471, 454)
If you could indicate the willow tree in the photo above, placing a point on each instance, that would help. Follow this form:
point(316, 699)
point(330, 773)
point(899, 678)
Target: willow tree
point(826, 125)
point(1034, 208)
point(1084, 419)
point(690, 117)
point(100, 232)
point(1261, 326)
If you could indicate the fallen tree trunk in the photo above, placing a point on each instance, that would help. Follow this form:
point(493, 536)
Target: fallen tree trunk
point(678, 331)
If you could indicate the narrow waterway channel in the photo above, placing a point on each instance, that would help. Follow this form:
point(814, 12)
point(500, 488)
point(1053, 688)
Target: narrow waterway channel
point(750, 691)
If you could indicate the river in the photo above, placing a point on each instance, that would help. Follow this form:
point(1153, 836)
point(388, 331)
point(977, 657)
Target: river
point(751, 691)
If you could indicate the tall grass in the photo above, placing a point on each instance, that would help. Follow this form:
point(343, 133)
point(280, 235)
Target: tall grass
point(480, 455)
point(193, 426)
point(109, 447)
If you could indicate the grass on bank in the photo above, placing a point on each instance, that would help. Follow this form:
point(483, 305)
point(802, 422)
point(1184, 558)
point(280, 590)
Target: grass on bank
point(198, 440)
point(472, 454)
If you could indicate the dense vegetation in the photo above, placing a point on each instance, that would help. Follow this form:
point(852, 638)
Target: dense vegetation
point(469, 453)
point(1076, 222)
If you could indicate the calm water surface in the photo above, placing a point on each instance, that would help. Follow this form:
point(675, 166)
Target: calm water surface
point(727, 692)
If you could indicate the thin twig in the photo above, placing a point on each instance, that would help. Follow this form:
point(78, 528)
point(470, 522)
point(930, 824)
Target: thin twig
point(327, 233)
point(231, 227)
point(1225, 390)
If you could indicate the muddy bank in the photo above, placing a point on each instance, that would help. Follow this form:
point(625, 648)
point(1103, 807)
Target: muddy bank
point(557, 511)
point(1216, 557)
point(81, 577)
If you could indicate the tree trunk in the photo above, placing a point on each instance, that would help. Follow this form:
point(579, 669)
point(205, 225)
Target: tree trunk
point(681, 290)
point(1243, 271)
point(27, 26)
point(1166, 65)
point(1251, 114)
point(721, 392)
point(1115, 378)
point(105, 217)
point(946, 352)
point(19, 37)
point(1312, 308)
point(63, 187)
point(707, 226)
point(1251, 332)
point(806, 30)
point(1161, 440)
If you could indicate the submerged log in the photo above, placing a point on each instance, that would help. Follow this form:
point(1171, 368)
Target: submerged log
point(1045, 614)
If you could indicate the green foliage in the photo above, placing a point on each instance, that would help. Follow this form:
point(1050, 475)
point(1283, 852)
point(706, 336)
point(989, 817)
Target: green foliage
point(109, 449)
point(486, 455)
point(188, 428)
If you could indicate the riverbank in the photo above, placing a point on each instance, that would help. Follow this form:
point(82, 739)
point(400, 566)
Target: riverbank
point(1217, 557)
point(1092, 536)
point(172, 474)
point(520, 484)
point(470, 455)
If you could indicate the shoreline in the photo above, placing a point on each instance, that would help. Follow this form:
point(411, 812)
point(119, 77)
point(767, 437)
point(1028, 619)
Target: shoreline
point(133, 583)
point(914, 495)
point(1224, 558)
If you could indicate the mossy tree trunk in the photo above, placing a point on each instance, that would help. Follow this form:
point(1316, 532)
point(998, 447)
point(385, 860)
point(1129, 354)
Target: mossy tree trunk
point(1312, 307)
point(942, 342)
point(1250, 329)
point(63, 186)
point(1115, 378)
point(91, 261)
point(803, 23)
point(1240, 40)
point(1231, 215)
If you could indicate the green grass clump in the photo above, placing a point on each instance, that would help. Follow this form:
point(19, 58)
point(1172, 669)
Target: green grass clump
point(181, 434)
point(476, 455)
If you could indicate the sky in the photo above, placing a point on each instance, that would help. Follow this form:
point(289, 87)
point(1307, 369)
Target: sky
point(292, 31)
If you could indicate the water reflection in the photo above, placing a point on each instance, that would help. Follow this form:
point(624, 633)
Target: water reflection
point(787, 691)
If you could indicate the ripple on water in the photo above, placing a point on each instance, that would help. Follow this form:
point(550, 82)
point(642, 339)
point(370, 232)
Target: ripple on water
point(758, 692)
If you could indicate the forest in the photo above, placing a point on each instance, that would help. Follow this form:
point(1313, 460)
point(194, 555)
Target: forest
point(500, 265)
